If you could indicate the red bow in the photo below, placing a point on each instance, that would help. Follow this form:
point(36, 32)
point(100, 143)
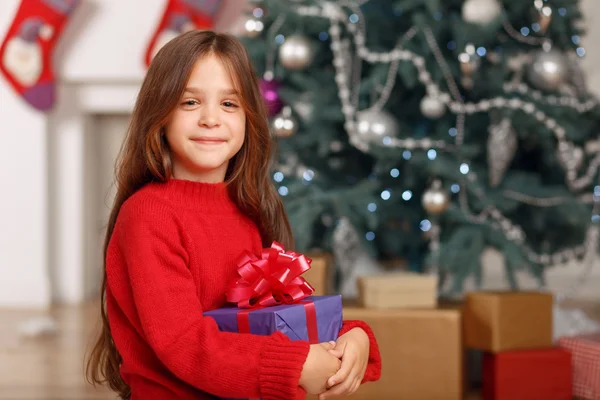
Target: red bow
point(270, 280)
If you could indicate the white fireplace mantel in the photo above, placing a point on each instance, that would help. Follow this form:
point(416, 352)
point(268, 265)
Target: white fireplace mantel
point(69, 126)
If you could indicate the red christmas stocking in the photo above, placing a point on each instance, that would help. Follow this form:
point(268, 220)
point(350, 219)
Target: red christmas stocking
point(26, 52)
point(181, 16)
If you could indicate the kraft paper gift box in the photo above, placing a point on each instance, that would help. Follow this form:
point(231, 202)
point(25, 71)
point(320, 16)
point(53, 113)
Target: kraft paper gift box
point(585, 353)
point(421, 350)
point(320, 274)
point(499, 321)
point(527, 374)
point(398, 290)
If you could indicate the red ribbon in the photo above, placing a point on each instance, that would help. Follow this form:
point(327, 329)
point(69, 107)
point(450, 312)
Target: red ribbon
point(270, 280)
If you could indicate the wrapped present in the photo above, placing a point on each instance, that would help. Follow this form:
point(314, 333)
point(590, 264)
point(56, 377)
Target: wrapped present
point(315, 319)
point(527, 375)
point(398, 290)
point(271, 295)
point(422, 354)
point(585, 353)
point(499, 321)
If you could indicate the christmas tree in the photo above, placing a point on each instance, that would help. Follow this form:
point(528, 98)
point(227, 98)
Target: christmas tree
point(432, 129)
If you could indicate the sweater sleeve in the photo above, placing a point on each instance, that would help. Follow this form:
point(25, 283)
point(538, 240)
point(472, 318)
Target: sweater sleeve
point(190, 345)
point(373, 372)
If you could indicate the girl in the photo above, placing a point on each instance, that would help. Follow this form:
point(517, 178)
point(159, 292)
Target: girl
point(193, 192)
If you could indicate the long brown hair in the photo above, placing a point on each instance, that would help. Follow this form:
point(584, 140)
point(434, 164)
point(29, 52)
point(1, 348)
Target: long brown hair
point(145, 157)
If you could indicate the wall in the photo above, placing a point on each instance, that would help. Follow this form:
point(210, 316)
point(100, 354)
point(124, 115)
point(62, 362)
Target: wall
point(23, 199)
point(104, 43)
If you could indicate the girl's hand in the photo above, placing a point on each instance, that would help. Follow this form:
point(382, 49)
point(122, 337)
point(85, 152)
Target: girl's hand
point(320, 365)
point(353, 349)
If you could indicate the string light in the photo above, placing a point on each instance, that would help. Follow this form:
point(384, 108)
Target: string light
point(425, 225)
point(283, 190)
point(308, 175)
point(385, 195)
point(407, 195)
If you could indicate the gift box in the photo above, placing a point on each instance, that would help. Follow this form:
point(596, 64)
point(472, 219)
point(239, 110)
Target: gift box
point(320, 274)
point(527, 375)
point(499, 321)
point(271, 295)
point(398, 290)
point(422, 354)
point(315, 319)
point(585, 353)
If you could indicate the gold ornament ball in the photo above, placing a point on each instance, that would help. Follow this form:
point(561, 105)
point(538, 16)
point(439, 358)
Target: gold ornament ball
point(435, 199)
point(284, 124)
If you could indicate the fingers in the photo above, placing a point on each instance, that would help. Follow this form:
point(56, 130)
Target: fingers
point(328, 345)
point(336, 352)
point(356, 385)
point(342, 375)
point(346, 387)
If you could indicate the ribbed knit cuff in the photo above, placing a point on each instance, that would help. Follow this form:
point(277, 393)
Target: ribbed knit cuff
point(280, 367)
point(373, 372)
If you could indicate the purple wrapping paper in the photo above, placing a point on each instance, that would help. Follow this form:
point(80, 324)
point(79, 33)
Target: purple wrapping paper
point(289, 319)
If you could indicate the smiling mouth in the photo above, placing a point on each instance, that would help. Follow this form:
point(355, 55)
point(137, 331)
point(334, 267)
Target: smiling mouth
point(208, 140)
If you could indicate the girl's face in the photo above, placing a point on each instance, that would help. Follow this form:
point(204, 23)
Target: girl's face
point(208, 126)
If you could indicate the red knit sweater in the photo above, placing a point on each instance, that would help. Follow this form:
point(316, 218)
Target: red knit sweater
point(172, 256)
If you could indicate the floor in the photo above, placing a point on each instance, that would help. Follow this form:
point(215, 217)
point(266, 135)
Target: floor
point(50, 367)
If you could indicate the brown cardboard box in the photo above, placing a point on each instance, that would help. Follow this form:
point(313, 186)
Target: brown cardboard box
point(320, 273)
point(398, 290)
point(498, 321)
point(421, 354)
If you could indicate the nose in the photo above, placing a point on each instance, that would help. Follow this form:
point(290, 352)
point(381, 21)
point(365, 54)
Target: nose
point(209, 117)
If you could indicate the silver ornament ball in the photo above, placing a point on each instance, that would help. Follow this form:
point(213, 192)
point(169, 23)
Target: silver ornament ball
point(549, 70)
point(374, 125)
point(284, 124)
point(432, 107)
point(481, 12)
point(435, 199)
point(296, 52)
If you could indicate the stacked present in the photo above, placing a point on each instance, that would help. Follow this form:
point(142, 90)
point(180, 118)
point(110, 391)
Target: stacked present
point(420, 343)
point(514, 332)
point(585, 353)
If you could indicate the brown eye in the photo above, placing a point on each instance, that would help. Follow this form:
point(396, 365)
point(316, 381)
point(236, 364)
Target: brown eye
point(229, 104)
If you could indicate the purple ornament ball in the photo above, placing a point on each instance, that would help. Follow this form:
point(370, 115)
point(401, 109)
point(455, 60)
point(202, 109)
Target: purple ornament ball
point(270, 93)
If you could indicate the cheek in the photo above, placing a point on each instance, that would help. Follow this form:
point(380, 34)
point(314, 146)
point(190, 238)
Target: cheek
point(176, 129)
point(240, 128)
